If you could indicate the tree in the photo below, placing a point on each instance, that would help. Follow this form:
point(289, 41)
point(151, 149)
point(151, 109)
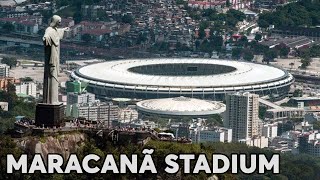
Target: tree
point(142, 38)
point(86, 38)
point(262, 112)
point(216, 42)
point(8, 27)
point(203, 26)
point(11, 89)
point(10, 61)
point(283, 50)
point(248, 55)
point(258, 37)
point(306, 61)
point(316, 125)
point(236, 53)
point(243, 41)
point(291, 65)
point(297, 93)
point(228, 4)
point(127, 19)
point(26, 79)
point(77, 17)
point(270, 55)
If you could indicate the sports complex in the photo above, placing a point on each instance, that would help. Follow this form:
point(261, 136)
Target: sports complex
point(174, 77)
point(180, 106)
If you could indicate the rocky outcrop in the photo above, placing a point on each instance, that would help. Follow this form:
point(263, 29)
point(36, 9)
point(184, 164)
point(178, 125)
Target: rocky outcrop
point(64, 145)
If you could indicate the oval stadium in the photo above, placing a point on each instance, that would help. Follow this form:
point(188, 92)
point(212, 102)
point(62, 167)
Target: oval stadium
point(196, 78)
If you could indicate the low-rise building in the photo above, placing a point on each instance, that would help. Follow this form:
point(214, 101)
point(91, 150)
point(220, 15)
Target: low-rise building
point(24, 24)
point(96, 112)
point(27, 88)
point(309, 142)
point(128, 115)
point(216, 134)
point(4, 106)
point(270, 130)
point(80, 98)
point(4, 82)
point(4, 70)
point(258, 141)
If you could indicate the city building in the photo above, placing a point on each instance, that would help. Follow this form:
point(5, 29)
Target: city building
point(195, 78)
point(179, 107)
point(24, 24)
point(96, 112)
point(242, 115)
point(26, 88)
point(304, 126)
point(4, 70)
point(80, 98)
point(258, 141)
point(270, 130)
point(127, 115)
point(284, 126)
point(4, 82)
point(216, 134)
point(4, 106)
point(312, 117)
point(309, 142)
point(140, 124)
point(181, 130)
point(209, 4)
point(284, 113)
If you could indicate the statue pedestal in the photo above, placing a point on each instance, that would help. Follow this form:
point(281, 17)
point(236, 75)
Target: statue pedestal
point(49, 115)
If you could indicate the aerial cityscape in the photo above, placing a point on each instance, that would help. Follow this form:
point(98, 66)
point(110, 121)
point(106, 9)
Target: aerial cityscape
point(160, 77)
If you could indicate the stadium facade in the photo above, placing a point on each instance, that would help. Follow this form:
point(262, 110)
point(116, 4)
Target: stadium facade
point(195, 78)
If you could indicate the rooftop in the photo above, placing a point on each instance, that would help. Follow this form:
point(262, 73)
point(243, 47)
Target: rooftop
point(183, 72)
point(181, 106)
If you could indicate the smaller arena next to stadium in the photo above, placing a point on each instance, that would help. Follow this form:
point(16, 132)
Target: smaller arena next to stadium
point(195, 78)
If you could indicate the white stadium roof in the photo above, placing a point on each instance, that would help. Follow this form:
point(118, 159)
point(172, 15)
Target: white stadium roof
point(181, 106)
point(116, 72)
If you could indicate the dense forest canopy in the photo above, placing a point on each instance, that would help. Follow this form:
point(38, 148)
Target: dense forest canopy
point(302, 13)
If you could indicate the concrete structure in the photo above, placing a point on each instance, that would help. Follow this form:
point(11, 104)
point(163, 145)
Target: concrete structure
point(27, 88)
point(24, 24)
point(127, 115)
point(270, 130)
point(97, 112)
point(309, 142)
point(80, 98)
point(259, 141)
point(210, 4)
point(4, 82)
point(181, 130)
point(304, 127)
point(179, 107)
point(217, 134)
point(242, 115)
point(4, 106)
point(4, 70)
point(285, 113)
point(140, 124)
point(198, 78)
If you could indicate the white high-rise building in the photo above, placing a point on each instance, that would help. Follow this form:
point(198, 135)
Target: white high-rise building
point(217, 134)
point(97, 112)
point(80, 98)
point(270, 130)
point(4, 70)
point(27, 88)
point(242, 115)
